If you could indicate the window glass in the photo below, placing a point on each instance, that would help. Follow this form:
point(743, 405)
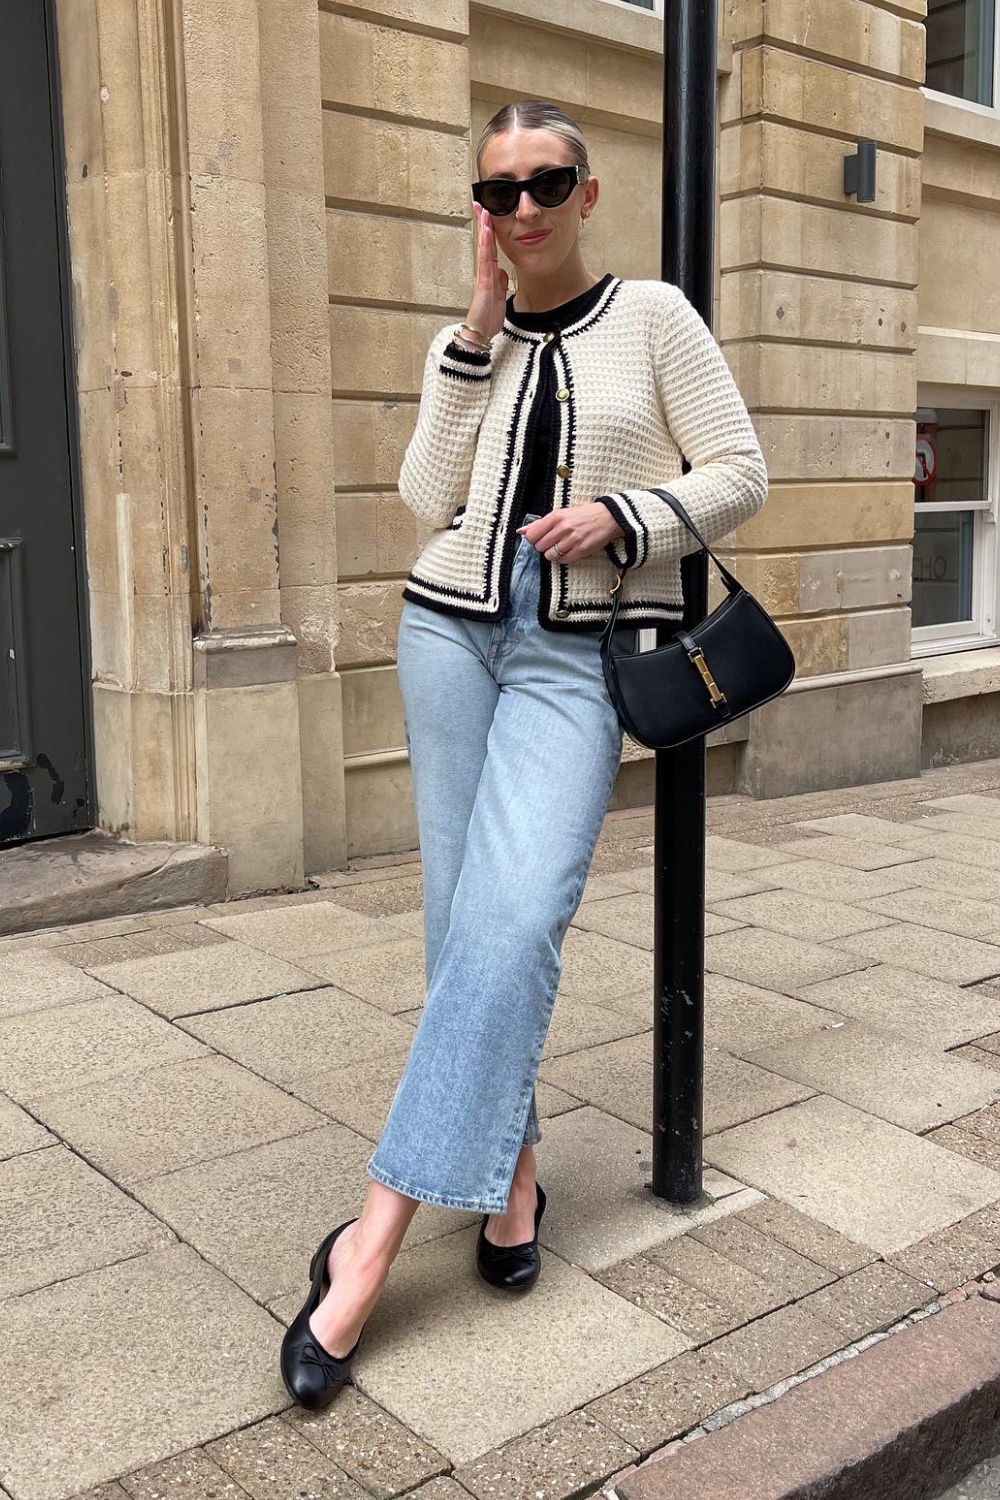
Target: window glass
point(951, 473)
point(961, 42)
point(942, 567)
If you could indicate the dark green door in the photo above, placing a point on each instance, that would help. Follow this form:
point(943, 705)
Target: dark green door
point(44, 773)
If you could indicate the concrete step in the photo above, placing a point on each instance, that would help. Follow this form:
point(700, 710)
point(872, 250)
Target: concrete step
point(87, 876)
point(901, 1421)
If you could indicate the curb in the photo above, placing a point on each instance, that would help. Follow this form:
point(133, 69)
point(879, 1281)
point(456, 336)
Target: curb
point(903, 1420)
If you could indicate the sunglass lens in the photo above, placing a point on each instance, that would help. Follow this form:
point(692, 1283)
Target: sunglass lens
point(554, 187)
point(498, 197)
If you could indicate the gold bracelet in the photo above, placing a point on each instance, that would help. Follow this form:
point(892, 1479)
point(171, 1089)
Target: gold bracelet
point(473, 329)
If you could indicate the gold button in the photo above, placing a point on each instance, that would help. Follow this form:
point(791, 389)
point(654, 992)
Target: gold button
point(564, 471)
point(562, 614)
point(549, 337)
point(562, 395)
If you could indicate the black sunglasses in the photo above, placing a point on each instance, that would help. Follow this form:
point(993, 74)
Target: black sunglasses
point(501, 195)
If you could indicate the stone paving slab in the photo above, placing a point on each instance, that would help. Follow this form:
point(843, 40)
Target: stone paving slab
point(963, 825)
point(196, 979)
point(927, 1011)
point(741, 1294)
point(815, 1241)
point(60, 1218)
point(19, 1132)
point(271, 1458)
point(437, 1317)
point(979, 805)
point(598, 969)
point(131, 1363)
point(259, 1214)
point(186, 1476)
point(883, 1074)
point(828, 882)
point(294, 931)
point(618, 1078)
point(965, 848)
point(773, 961)
point(562, 1459)
point(780, 1344)
point(390, 976)
point(357, 1094)
point(950, 1257)
point(787, 1274)
point(942, 955)
point(292, 1036)
point(368, 1443)
point(937, 909)
point(720, 885)
point(650, 1410)
point(299, 1188)
point(604, 1209)
point(50, 1051)
point(698, 1314)
point(40, 979)
point(383, 898)
point(629, 919)
point(856, 854)
point(577, 1025)
point(817, 920)
point(144, 1124)
point(871, 1299)
point(734, 856)
point(865, 827)
point(877, 1184)
point(950, 876)
point(742, 1018)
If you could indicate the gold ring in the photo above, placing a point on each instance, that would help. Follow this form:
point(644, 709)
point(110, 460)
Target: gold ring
point(554, 549)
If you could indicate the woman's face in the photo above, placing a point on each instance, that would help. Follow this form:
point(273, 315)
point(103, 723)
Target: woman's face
point(536, 240)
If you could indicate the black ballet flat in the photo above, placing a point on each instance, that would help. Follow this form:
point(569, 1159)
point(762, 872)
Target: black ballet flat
point(513, 1268)
point(313, 1377)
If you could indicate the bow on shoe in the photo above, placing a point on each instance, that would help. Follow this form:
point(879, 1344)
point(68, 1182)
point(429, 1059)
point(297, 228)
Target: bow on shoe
point(332, 1369)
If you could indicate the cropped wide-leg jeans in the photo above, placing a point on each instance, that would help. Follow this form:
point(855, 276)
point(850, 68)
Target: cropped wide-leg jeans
point(514, 744)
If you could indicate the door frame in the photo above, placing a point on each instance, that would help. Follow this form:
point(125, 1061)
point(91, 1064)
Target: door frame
point(72, 406)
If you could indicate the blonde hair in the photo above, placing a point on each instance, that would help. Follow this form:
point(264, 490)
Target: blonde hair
point(535, 114)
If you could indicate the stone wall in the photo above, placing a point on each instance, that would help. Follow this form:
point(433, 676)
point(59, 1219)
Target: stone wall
point(819, 323)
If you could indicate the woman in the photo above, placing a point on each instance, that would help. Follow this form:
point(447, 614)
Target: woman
point(543, 421)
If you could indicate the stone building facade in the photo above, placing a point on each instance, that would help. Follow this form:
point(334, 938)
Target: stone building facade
point(269, 217)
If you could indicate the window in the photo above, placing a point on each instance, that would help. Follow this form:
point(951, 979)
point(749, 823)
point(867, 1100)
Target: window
point(954, 529)
point(962, 49)
point(654, 6)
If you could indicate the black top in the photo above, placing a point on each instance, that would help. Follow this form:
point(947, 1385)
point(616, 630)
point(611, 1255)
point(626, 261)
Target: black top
point(535, 487)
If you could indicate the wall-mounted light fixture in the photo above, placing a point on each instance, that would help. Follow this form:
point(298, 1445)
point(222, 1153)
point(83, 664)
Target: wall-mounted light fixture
point(859, 172)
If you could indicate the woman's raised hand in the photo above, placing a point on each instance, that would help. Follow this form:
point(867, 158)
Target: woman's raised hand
point(489, 296)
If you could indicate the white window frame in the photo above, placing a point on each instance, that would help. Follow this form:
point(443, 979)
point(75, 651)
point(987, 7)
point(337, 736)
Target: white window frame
point(982, 629)
point(643, 10)
point(991, 110)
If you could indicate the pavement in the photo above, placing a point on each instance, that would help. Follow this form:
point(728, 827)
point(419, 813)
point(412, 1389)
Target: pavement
point(188, 1098)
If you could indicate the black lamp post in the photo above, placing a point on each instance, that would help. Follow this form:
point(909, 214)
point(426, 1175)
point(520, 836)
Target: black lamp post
point(686, 258)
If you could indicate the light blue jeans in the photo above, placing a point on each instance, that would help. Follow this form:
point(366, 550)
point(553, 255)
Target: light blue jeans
point(514, 745)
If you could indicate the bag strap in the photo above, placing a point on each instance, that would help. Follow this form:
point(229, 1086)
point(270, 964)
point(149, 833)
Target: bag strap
point(682, 515)
point(732, 584)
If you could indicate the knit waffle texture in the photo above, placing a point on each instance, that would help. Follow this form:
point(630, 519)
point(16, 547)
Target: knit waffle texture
point(641, 385)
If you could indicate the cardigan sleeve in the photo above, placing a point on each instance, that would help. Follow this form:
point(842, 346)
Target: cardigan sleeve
point(727, 481)
point(437, 465)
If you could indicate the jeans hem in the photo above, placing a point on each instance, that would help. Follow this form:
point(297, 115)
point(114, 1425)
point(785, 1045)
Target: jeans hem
point(494, 1205)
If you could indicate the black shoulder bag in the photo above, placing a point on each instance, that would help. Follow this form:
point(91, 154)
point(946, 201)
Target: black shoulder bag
point(734, 661)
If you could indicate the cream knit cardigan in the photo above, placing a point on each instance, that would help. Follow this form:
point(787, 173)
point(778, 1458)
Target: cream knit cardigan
point(642, 383)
